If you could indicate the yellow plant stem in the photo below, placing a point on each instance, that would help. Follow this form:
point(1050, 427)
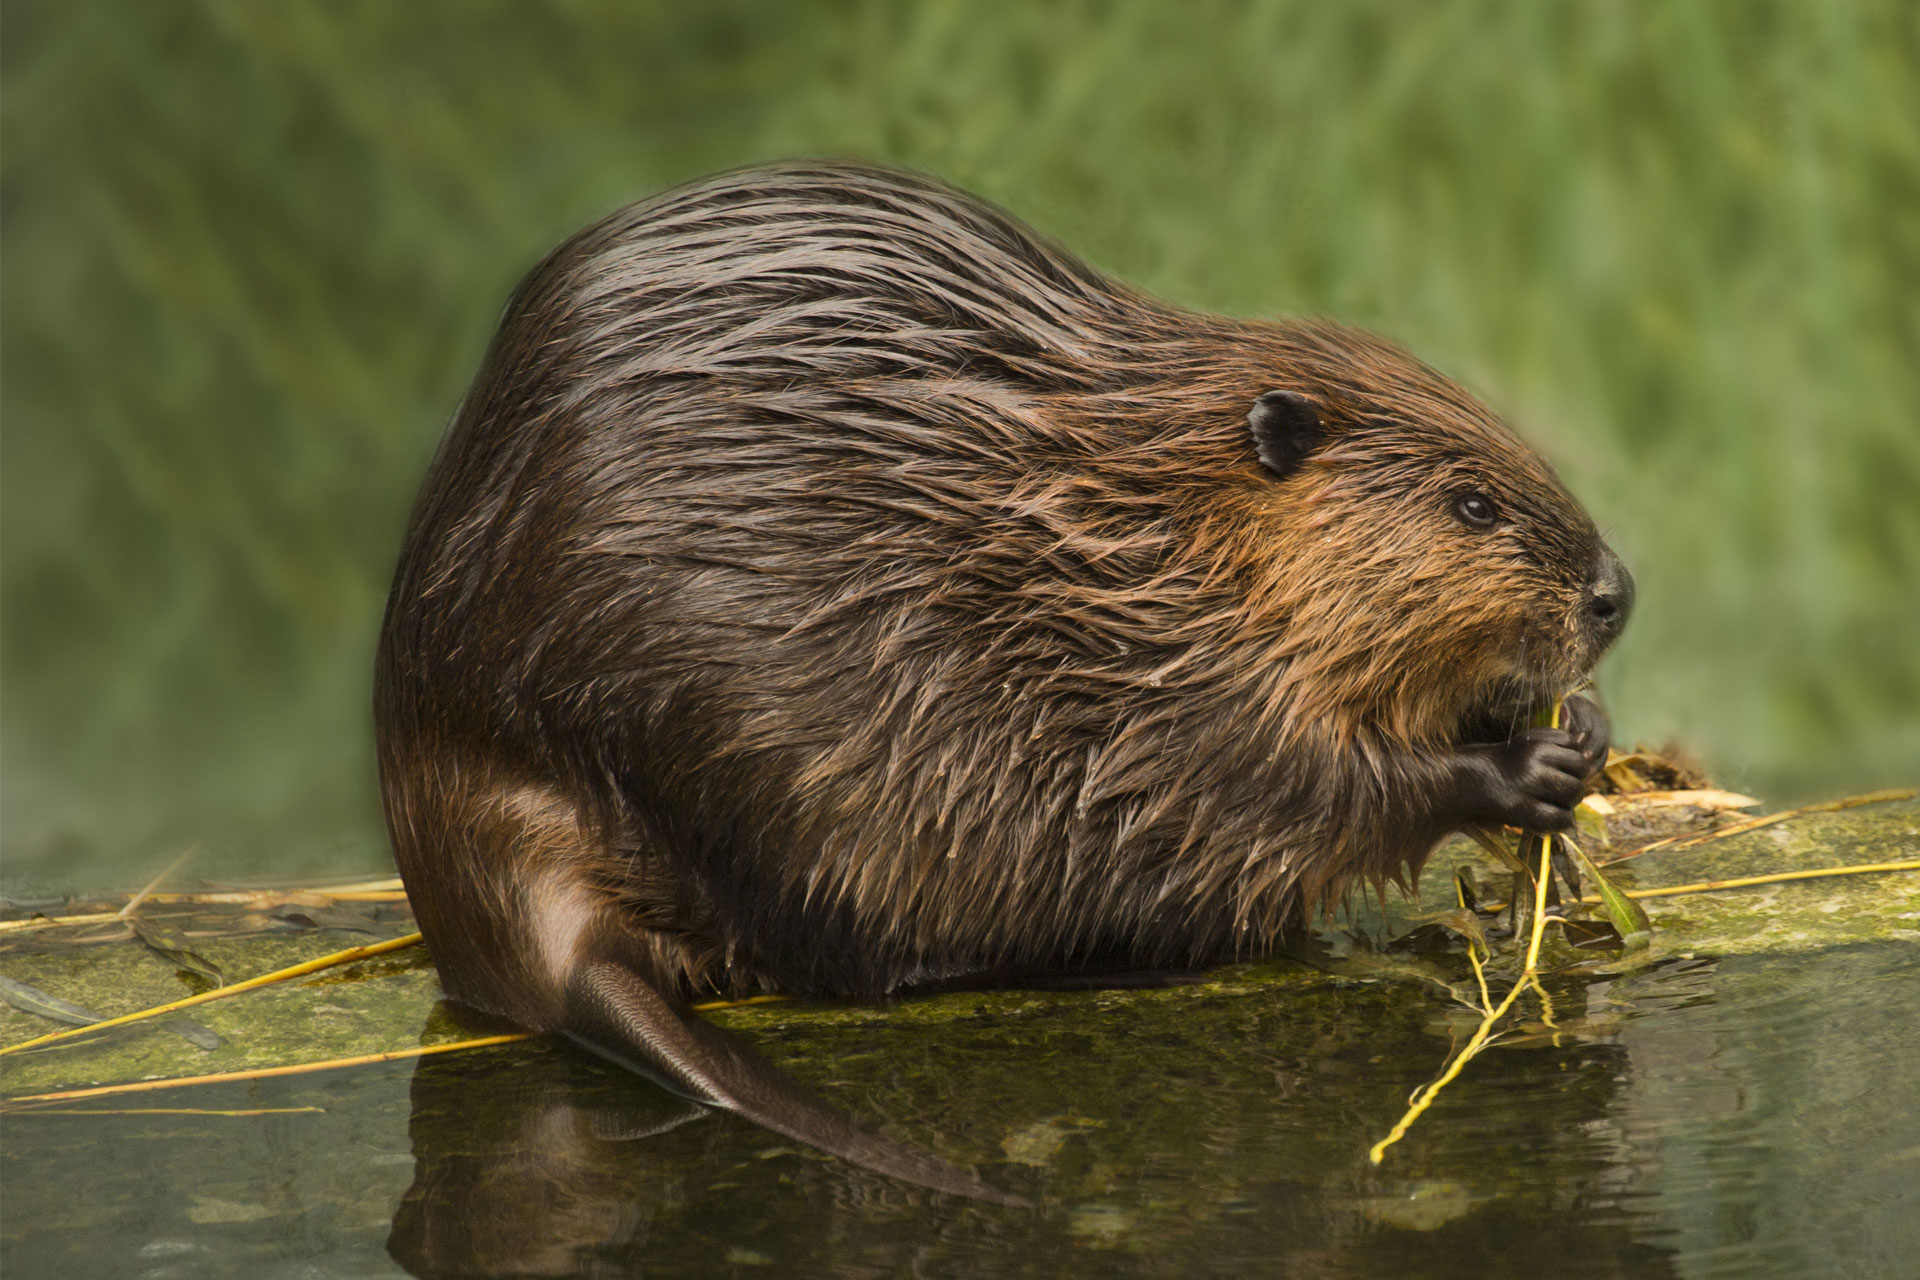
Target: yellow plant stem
point(1742, 882)
point(1679, 842)
point(55, 922)
point(219, 993)
point(168, 1111)
point(735, 1004)
point(1480, 976)
point(1546, 1001)
point(325, 889)
point(388, 890)
point(1484, 1032)
point(133, 903)
point(177, 1082)
point(1778, 877)
point(263, 1073)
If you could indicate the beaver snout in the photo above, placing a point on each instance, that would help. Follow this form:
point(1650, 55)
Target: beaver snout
point(1610, 599)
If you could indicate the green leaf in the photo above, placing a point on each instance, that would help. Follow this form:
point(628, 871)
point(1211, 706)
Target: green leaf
point(1498, 843)
point(33, 1000)
point(1626, 915)
point(1462, 922)
point(200, 1037)
point(170, 942)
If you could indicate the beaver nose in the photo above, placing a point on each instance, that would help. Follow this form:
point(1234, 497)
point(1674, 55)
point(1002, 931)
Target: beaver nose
point(1611, 599)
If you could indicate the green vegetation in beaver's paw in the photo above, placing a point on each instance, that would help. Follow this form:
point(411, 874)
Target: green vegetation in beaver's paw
point(1858, 889)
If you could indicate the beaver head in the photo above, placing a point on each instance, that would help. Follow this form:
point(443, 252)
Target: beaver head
point(1437, 579)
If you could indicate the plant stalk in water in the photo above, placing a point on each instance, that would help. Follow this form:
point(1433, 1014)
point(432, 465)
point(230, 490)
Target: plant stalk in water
point(1489, 1017)
point(1541, 864)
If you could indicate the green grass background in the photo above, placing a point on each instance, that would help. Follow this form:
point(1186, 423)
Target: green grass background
point(252, 252)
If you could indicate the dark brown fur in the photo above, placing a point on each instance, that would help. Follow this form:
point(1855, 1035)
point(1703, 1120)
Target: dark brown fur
point(828, 586)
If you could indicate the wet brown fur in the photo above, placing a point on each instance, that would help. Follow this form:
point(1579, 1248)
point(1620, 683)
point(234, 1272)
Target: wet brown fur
point(829, 586)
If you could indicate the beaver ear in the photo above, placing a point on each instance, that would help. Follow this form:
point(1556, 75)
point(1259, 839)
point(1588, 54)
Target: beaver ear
point(1286, 428)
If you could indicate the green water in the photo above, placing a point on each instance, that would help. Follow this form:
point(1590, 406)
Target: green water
point(252, 252)
point(1749, 1118)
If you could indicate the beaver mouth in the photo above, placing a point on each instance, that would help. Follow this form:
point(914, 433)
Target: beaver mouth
point(1532, 671)
point(1502, 710)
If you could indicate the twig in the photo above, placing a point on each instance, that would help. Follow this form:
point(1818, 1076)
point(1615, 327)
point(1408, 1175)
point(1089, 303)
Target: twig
point(54, 922)
point(389, 890)
point(1480, 975)
point(133, 903)
point(710, 1005)
point(280, 884)
point(1754, 824)
point(233, 989)
point(1484, 1031)
point(167, 1111)
point(1703, 886)
point(372, 891)
point(176, 1082)
point(357, 890)
point(263, 1073)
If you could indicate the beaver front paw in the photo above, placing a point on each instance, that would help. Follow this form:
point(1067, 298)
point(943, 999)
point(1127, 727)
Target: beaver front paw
point(1532, 781)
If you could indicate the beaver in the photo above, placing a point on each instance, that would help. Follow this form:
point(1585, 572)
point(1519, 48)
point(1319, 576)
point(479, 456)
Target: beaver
point(830, 586)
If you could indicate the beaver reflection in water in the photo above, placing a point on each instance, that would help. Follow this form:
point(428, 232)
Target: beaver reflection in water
point(828, 586)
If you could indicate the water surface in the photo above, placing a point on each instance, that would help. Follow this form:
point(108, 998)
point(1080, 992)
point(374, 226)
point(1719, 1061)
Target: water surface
point(1755, 1116)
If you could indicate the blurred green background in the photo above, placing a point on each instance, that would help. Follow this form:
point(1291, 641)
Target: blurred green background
point(252, 252)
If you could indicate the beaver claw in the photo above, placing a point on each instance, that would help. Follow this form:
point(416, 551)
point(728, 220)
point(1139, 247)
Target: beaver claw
point(1582, 717)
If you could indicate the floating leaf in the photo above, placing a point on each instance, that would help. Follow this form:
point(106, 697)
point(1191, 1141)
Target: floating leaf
point(1498, 844)
point(1566, 869)
point(168, 941)
point(327, 917)
point(33, 1000)
point(1636, 931)
point(193, 1033)
point(1463, 922)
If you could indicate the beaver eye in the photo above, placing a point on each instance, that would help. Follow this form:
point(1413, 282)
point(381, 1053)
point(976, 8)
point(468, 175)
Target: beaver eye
point(1475, 509)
